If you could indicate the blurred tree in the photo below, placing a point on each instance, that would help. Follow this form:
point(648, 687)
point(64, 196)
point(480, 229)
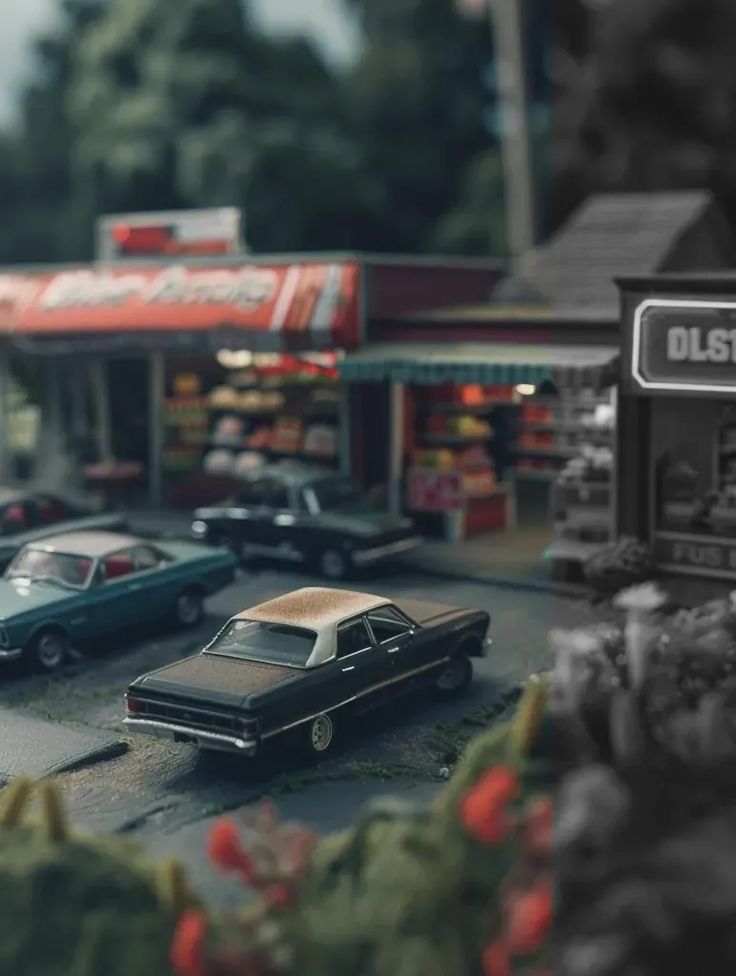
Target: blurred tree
point(652, 104)
point(421, 96)
point(425, 97)
point(43, 218)
point(187, 104)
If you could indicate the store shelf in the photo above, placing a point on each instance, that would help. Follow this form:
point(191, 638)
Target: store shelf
point(585, 429)
point(297, 455)
point(477, 409)
point(456, 440)
point(570, 550)
point(536, 474)
point(556, 452)
point(331, 410)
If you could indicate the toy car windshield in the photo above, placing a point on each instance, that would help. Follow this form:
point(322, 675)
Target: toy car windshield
point(334, 493)
point(269, 643)
point(53, 567)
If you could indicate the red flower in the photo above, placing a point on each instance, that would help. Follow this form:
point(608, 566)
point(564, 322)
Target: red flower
point(226, 851)
point(529, 919)
point(186, 954)
point(495, 960)
point(482, 809)
point(538, 832)
point(279, 896)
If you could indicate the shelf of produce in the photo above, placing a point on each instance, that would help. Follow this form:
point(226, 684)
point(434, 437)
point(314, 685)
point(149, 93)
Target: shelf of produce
point(475, 409)
point(284, 411)
point(584, 429)
point(299, 455)
point(595, 518)
point(556, 452)
point(456, 440)
point(535, 474)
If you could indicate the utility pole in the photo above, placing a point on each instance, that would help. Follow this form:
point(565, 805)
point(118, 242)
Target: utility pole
point(507, 38)
point(507, 30)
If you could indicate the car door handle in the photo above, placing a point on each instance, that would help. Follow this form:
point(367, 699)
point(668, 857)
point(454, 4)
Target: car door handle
point(351, 668)
point(392, 650)
point(135, 586)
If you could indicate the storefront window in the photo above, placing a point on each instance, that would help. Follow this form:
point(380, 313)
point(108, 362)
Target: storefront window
point(694, 484)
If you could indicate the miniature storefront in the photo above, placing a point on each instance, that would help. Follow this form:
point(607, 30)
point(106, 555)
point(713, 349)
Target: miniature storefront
point(473, 427)
point(500, 419)
point(677, 475)
point(178, 377)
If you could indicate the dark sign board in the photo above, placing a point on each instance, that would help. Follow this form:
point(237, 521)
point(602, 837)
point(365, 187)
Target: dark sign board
point(684, 346)
point(696, 555)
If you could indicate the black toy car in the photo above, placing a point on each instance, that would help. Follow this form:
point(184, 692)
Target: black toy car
point(304, 514)
point(300, 663)
point(27, 516)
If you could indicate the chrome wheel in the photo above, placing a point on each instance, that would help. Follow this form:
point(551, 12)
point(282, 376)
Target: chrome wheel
point(50, 649)
point(455, 676)
point(333, 564)
point(320, 733)
point(189, 608)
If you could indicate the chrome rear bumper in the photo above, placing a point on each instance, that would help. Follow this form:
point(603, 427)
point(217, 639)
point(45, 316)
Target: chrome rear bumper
point(183, 733)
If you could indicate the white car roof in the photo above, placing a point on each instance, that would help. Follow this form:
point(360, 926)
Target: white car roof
point(314, 607)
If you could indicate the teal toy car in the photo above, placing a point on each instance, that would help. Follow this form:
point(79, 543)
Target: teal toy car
point(79, 586)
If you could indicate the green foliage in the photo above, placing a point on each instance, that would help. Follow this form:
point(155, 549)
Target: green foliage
point(647, 100)
point(75, 905)
point(149, 104)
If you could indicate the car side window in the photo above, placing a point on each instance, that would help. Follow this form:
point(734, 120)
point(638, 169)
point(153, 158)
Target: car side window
point(388, 624)
point(253, 493)
point(353, 637)
point(278, 496)
point(50, 510)
point(13, 518)
point(147, 557)
point(117, 566)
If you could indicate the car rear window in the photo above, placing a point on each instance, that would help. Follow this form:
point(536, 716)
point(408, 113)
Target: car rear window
point(253, 640)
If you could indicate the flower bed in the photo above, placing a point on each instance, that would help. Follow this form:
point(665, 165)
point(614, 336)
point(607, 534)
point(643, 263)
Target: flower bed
point(645, 859)
point(639, 742)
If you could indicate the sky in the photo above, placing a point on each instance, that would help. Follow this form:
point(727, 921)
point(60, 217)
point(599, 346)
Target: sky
point(21, 19)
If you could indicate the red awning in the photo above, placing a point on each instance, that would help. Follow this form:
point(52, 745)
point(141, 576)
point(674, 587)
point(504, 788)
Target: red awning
point(280, 306)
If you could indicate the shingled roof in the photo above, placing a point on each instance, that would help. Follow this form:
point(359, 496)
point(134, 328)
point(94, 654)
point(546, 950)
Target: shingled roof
point(609, 236)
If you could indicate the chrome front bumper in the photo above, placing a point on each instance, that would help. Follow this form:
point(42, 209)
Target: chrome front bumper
point(10, 654)
point(365, 556)
point(183, 733)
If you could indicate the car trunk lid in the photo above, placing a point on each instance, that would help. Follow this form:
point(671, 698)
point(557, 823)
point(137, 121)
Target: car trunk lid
point(215, 678)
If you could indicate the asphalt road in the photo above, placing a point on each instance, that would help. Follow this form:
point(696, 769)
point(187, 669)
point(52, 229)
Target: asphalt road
point(165, 794)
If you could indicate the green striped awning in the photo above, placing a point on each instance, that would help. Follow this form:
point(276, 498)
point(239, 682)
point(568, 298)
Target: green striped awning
point(502, 364)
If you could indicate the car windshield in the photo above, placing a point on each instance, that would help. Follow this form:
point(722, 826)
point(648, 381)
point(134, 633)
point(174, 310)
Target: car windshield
point(253, 640)
point(334, 493)
point(52, 567)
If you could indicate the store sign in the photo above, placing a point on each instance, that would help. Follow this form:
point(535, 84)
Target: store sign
point(16, 291)
point(704, 556)
point(432, 490)
point(170, 234)
point(684, 345)
point(301, 300)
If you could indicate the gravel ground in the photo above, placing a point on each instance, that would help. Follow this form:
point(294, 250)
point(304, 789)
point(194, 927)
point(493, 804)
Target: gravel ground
point(165, 794)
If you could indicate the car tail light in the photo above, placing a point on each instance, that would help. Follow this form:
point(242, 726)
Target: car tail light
point(133, 704)
point(249, 727)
